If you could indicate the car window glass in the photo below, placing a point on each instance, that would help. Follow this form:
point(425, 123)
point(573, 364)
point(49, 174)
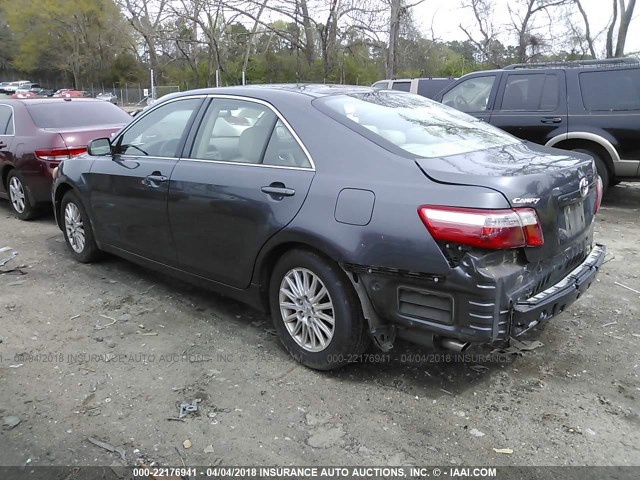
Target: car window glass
point(6, 120)
point(158, 133)
point(525, 93)
point(550, 94)
point(611, 90)
point(402, 86)
point(471, 95)
point(430, 87)
point(380, 85)
point(420, 127)
point(284, 150)
point(234, 131)
point(73, 114)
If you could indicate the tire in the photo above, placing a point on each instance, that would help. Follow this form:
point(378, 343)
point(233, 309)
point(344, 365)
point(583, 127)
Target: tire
point(77, 230)
point(19, 201)
point(601, 166)
point(345, 339)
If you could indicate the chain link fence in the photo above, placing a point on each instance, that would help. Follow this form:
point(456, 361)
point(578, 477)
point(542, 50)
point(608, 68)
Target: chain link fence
point(131, 94)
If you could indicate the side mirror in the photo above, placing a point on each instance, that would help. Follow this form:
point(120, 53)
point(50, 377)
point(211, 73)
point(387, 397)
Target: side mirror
point(99, 147)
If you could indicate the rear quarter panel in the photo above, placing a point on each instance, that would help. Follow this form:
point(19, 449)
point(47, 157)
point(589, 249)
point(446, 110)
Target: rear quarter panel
point(395, 236)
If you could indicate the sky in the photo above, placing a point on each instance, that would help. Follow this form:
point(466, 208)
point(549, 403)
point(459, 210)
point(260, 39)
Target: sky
point(448, 15)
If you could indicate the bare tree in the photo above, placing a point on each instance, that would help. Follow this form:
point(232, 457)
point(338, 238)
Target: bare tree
point(146, 17)
point(398, 12)
point(483, 13)
point(611, 29)
point(626, 14)
point(587, 29)
point(522, 13)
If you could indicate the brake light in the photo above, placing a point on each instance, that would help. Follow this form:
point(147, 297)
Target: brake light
point(493, 229)
point(599, 189)
point(59, 154)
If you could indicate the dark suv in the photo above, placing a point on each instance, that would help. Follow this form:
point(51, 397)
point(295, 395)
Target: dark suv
point(588, 106)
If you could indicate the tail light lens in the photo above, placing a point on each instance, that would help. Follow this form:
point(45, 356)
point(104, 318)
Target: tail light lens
point(599, 190)
point(59, 154)
point(493, 229)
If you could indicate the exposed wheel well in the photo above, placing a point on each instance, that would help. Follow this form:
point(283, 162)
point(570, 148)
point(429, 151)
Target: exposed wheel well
point(5, 173)
point(62, 189)
point(269, 262)
point(602, 152)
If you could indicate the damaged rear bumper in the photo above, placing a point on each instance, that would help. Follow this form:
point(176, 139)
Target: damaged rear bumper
point(555, 299)
point(485, 300)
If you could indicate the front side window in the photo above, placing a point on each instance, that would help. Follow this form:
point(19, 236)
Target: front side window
point(380, 85)
point(613, 90)
point(158, 133)
point(471, 95)
point(416, 125)
point(241, 131)
point(6, 120)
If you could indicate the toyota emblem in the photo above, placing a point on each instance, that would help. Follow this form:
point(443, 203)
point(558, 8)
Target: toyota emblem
point(584, 187)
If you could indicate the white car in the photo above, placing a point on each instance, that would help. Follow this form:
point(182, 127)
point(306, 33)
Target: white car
point(13, 86)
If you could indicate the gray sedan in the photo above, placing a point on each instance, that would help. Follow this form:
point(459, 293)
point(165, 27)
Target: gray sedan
point(349, 214)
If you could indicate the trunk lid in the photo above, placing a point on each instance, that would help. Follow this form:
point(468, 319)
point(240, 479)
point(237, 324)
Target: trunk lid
point(559, 185)
point(80, 137)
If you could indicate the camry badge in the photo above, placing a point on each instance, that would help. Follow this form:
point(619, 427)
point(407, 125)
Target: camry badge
point(533, 200)
point(584, 187)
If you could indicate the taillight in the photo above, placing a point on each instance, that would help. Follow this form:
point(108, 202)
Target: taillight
point(599, 189)
point(493, 229)
point(59, 154)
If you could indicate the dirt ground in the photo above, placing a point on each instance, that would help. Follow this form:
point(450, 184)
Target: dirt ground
point(109, 351)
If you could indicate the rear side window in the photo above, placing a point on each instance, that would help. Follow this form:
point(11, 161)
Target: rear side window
point(6, 120)
point(614, 90)
point(241, 131)
point(401, 86)
point(70, 114)
point(531, 93)
point(430, 87)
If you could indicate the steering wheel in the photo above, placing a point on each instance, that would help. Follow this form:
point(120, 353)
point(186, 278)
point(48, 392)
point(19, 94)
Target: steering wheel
point(461, 103)
point(168, 148)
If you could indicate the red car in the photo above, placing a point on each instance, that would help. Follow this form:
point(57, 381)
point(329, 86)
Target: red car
point(37, 134)
point(66, 93)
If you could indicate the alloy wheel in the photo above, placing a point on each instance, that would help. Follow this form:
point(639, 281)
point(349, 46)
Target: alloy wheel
point(16, 194)
point(307, 309)
point(74, 227)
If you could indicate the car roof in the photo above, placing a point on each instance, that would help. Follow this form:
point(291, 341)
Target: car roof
point(271, 90)
point(40, 100)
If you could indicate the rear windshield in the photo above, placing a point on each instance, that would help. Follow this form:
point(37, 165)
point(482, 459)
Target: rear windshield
point(74, 114)
point(413, 123)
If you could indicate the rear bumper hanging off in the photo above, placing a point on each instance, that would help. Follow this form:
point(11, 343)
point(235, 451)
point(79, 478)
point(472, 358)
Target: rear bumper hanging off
point(558, 297)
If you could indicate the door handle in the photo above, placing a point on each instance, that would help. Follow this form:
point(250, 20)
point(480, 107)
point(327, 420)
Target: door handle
point(277, 189)
point(155, 178)
point(551, 119)
point(3, 145)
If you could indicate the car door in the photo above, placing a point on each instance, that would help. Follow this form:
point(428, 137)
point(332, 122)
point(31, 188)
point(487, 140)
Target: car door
point(129, 190)
point(244, 179)
point(532, 105)
point(473, 95)
point(7, 136)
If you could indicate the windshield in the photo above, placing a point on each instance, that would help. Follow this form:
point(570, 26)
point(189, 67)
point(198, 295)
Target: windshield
point(415, 124)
